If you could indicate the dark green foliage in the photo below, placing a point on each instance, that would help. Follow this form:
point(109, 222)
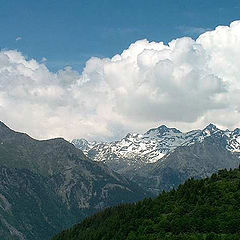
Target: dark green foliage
point(207, 209)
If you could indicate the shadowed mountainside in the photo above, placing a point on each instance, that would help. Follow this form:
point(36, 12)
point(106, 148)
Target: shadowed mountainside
point(52, 179)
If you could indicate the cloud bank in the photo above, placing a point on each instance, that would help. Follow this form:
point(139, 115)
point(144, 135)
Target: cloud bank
point(186, 83)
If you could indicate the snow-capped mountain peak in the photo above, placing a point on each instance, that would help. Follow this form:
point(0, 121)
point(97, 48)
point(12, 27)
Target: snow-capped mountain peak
point(234, 141)
point(210, 129)
point(236, 131)
point(161, 130)
point(136, 149)
point(83, 144)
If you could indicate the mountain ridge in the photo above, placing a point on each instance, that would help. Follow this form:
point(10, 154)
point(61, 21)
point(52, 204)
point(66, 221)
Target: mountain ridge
point(136, 150)
point(78, 186)
point(163, 157)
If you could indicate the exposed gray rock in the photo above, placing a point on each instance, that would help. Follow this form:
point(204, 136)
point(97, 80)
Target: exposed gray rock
point(164, 157)
point(198, 160)
point(43, 180)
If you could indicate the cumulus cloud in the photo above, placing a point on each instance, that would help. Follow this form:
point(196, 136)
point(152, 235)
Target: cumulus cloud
point(186, 83)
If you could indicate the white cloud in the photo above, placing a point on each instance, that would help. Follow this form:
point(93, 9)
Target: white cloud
point(18, 38)
point(185, 84)
point(43, 60)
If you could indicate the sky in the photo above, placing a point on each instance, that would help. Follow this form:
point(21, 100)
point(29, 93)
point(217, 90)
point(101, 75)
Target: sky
point(99, 69)
point(70, 32)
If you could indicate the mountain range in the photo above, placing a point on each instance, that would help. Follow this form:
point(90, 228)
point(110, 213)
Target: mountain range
point(49, 185)
point(163, 157)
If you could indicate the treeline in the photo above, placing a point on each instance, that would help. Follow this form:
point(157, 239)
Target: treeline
point(207, 209)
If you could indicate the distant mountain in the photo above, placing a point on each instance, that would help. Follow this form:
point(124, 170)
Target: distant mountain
point(164, 157)
point(42, 181)
point(206, 209)
point(198, 160)
point(135, 150)
point(83, 144)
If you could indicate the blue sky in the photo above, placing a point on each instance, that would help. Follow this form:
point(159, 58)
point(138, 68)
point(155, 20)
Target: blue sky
point(185, 83)
point(68, 32)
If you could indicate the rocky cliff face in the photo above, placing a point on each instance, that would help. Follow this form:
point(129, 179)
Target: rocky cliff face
point(43, 180)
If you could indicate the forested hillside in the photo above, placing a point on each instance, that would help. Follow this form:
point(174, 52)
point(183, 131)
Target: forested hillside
point(207, 209)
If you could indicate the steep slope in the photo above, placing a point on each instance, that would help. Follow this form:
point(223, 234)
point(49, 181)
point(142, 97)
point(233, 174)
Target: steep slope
point(81, 185)
point(198, 160)
point(136, 150)
point(29, 208)
point(200, 210)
